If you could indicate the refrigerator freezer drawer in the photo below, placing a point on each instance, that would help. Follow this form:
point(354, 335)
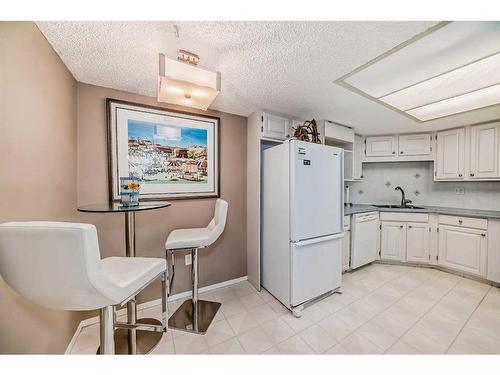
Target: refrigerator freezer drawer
point(316, 268)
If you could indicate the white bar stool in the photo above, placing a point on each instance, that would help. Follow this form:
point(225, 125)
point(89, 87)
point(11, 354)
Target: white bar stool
point(58, 265)
point(195, 315)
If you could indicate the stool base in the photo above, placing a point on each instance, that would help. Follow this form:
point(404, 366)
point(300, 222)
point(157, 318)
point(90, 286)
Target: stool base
point(182, 318)
point(146, 340)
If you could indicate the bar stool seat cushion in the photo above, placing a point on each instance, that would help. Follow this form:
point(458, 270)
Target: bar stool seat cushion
point(188, 238)
point(58, 265)
point(131, 274)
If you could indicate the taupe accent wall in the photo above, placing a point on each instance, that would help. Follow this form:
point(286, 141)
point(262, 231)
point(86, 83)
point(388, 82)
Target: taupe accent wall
point(223, 261)
point(37, 170)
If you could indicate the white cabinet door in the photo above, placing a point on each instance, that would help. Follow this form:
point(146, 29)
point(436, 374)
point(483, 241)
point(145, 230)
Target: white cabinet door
point(450, 154)
point(275, 127)
point(346, 250)
point(417, 242)
point(463, 249)
point(484, 154)
point(393, 241)
point(415, 144)
point(381, 146)
point(357, 156)
point(337, 132)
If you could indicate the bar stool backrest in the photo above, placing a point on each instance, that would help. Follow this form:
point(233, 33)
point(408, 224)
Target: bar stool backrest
point(218, 223)
point(56, 265)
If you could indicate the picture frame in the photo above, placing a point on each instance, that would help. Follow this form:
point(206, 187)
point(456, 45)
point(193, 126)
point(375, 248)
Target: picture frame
point(174, 154)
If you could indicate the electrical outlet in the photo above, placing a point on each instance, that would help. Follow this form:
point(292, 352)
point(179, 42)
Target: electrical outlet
point(187, 259)
point(459, 190)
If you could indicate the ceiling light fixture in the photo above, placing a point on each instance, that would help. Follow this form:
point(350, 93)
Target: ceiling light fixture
point(182, 82)
point(451, 68)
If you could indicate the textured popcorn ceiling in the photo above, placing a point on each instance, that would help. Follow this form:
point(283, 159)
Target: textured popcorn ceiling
point(286, 67)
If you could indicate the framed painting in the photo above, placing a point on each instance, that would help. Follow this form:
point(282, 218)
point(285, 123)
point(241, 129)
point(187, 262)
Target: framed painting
point(174, 155)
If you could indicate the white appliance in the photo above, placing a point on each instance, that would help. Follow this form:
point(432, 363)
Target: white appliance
point(365, 239)
point(302, 220)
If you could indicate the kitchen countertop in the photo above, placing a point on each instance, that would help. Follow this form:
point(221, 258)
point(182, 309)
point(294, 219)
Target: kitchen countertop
point(360, 208)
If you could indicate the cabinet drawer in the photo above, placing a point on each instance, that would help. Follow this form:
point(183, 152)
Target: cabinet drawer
point(461, 221)
point(404, 216)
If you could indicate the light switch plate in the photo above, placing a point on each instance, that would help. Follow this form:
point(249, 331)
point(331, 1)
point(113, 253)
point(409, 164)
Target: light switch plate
point(187, 259)
point(459, 190)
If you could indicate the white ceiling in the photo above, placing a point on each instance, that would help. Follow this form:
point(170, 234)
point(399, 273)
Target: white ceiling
point(286, 67)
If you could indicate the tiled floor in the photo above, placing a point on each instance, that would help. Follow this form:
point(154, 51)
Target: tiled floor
point(383, 309)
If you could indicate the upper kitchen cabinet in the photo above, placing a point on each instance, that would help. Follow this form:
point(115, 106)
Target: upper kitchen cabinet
point(484, 151)
point(275, 127)
point(357, 158)
point(450, 156)
point(381, 146)
point(415, 145)
point(342, 136)
point(404, 147)
point(336, 133)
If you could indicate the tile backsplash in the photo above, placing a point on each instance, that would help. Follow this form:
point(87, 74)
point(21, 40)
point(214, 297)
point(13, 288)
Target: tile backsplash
point(417, 180)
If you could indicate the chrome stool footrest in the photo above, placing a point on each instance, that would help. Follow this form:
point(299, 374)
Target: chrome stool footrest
point(186, 319)
point(146, 340)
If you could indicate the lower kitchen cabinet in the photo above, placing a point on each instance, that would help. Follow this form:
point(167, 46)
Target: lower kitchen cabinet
point(463, 249)
point(346, 244)
point(463, 244)
point(417, 242)
point(393, 241)
point(346, 250)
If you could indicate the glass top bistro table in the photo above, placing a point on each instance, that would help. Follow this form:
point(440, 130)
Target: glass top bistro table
point(131, 341)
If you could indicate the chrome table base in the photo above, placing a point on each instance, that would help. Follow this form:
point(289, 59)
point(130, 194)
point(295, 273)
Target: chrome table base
point(145, 342)
point(185, 318)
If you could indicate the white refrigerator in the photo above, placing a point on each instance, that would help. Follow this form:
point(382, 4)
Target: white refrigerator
point(302, 220)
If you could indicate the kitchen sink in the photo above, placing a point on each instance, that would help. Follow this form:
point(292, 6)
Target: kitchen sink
point(399, 206)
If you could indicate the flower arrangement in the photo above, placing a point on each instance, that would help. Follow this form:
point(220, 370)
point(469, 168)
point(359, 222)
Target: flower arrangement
point(129, 191)
point(308, 132)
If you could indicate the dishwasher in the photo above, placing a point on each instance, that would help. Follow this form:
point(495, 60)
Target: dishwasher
point(365, 239)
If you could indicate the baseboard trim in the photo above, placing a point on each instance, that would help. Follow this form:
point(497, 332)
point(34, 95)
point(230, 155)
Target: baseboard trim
point(146, 305)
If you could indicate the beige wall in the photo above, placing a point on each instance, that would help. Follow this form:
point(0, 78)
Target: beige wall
point(227, 258)
point(37, 170)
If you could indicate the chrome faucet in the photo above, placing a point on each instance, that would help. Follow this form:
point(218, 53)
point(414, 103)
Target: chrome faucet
point(404, 202)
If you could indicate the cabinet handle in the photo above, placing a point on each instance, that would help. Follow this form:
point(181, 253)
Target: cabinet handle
point(483, 234)
point(472, 174)
point(400, 152)
point(460, 221)
point(400, 227)
point(409, 226)
point(393, 152)
point(460, 175)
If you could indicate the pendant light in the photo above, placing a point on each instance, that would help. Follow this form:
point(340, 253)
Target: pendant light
point(182, 82)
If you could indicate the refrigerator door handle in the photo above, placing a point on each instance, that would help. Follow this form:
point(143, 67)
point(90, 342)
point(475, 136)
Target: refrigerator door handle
point(319, 239)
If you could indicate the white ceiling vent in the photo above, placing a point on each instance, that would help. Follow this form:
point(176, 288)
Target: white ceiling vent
point(449, 69)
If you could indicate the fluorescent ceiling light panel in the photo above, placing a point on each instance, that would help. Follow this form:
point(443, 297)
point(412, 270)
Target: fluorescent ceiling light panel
point(467, 102)
point(187, 85)
point(457, 59)
point(478, 75)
